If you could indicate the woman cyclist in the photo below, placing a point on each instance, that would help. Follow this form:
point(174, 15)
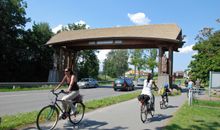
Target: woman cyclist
point(147, 89)
point(72, 91)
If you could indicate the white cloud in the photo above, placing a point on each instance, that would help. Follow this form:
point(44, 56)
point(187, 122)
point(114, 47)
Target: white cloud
point(139, 18)
point(102, 55)
point(57, 28)
point(186, 49)
point(82, 22)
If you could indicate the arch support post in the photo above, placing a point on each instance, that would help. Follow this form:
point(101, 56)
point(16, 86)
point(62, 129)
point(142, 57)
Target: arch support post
point(170, 66)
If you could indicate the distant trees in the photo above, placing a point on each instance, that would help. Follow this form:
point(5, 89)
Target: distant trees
point(116, 63)
point(208, 54)
point(151, 60)
point(138, 59)
point(144, 59)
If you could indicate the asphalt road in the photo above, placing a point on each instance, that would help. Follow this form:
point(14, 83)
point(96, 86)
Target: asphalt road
point(124, 116)
point(27, 101)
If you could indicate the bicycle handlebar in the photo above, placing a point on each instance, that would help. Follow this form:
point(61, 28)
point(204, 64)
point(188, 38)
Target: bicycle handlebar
point(57, 93)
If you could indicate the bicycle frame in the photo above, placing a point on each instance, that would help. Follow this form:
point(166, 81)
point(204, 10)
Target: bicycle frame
point(54, 103)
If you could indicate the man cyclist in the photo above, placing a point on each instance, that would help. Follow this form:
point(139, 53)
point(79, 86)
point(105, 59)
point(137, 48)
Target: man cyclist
point(147, 89)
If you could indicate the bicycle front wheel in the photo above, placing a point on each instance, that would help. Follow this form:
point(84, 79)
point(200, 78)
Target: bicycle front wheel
point(144, 113)
point(47, 118)
point(76, 116)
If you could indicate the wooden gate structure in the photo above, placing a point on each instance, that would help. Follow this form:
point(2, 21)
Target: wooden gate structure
point(165, 37)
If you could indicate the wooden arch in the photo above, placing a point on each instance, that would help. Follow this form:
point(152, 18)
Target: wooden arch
point(166, 37)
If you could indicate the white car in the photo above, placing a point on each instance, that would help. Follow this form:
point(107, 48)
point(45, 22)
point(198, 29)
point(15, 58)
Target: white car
point(87, 83)
point(140, 81)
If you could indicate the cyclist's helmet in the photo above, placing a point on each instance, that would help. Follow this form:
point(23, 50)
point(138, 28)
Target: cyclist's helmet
point(166, 85)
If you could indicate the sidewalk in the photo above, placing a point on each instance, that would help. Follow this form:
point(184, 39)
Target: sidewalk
point(124, 116)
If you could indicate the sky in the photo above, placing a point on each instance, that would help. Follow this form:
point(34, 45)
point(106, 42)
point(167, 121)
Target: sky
point(190, 15)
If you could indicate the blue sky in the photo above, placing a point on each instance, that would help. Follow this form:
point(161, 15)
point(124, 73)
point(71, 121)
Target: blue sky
point(190, 15)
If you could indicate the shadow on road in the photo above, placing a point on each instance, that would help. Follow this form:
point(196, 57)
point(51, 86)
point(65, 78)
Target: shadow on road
point(91, 125)
point(159, 117)
point(170, 106)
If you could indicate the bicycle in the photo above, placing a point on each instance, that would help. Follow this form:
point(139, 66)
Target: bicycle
point(48, 116)
point(146, 108)
point(164, 101)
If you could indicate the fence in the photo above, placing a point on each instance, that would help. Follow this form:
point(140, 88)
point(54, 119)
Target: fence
point(195, 94)
point(25, 84)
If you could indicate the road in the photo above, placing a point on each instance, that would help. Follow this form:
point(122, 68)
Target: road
point(124, 116)
point(27, 101)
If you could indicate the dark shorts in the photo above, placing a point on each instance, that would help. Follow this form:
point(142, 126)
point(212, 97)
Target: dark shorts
point(143, 97)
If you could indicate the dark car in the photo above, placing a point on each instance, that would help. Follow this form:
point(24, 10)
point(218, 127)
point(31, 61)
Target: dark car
point(123, 83)
point(175, 86)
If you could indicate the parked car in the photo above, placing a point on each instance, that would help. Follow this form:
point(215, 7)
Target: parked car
point(87, 83)
point(123, 83)
point(140, 81)
point(175, 86)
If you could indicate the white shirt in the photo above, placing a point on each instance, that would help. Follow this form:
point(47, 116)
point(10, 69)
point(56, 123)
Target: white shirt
point(147, 88)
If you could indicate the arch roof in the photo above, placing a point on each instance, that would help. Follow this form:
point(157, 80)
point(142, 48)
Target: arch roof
point(144, 36)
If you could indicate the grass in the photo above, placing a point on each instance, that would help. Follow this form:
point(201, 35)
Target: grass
point(197, 117)
point(207, 103)
point(23, 119)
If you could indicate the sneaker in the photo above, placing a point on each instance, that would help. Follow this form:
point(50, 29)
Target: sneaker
point(63, 115)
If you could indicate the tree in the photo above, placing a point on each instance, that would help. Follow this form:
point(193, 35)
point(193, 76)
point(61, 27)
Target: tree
point(12, 23)
point(208, 55)
point(87, 63)
point(116, 63)
point(37, 58)
point(138, 59)
point(151, 60)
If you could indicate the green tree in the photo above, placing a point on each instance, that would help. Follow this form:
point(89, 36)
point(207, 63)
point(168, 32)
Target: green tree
point(138, 59)
point(12, 22)
point(37, 58)
point(116, 63)
point(88, 63)
point(151, 60)
point(208, 55)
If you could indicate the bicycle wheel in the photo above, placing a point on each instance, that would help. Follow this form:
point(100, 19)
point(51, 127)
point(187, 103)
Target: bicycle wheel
point(163, 103)
point(47, 118)
point(144, 113)
point(151, 109)
point(78, 114)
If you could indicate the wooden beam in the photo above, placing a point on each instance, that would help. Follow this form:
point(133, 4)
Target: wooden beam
point(170, 66)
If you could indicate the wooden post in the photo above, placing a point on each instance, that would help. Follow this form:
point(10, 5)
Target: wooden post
point(160, 61)
point(74, 56)
point(170, 66)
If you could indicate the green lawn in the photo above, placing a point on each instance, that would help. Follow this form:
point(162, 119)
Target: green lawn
point(204, 115)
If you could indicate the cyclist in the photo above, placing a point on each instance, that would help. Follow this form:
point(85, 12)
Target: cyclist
point(165, 92)
point(147, 89)
point(72, 91)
